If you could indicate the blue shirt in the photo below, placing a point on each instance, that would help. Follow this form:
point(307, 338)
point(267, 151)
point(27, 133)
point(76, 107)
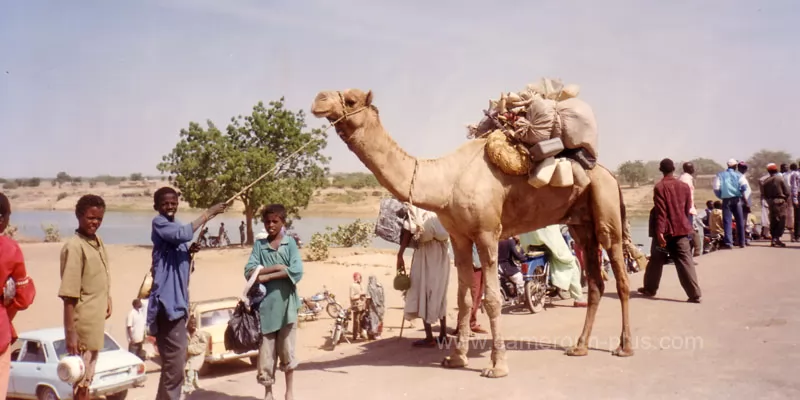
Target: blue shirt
point(171, 263)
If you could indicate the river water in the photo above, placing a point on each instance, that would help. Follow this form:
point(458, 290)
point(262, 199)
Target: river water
point(133, 228)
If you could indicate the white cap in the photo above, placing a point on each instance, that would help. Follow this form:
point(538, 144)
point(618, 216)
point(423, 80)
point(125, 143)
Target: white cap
point(732, 162)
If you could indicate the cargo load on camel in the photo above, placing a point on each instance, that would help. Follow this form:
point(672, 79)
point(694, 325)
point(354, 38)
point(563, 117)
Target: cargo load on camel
point(543, 131)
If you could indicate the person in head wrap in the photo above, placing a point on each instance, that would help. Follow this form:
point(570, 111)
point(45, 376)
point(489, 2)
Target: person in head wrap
point(375, 308)
point(777, 194)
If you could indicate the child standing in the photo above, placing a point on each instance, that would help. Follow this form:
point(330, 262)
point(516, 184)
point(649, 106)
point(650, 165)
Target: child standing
point(196, 355)
point(281, 270)
point(85, 283)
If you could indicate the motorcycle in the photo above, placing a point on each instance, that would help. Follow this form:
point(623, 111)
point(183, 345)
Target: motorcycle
point(339, 329)
point(332, 308)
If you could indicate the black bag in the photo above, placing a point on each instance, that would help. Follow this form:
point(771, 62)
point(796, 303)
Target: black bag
point(243, 333)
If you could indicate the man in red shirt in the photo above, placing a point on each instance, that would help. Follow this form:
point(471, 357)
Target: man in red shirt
point(12, 267)
point(670, 229)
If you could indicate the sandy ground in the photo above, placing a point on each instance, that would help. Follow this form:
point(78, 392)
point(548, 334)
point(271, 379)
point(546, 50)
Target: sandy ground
point(740, 342)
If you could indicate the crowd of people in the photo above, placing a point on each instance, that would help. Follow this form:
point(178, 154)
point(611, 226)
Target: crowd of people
point(674, 227)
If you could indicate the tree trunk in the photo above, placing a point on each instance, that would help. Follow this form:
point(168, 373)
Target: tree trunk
point(248, 214)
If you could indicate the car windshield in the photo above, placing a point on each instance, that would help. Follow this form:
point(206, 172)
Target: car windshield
point(61, 347)
point(215, 317)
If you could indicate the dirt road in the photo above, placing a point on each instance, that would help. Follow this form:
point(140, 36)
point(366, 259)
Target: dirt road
point(742, 341)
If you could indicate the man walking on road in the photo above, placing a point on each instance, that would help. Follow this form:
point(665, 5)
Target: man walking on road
point(670, 228)
point(777, 194)
point(730, 186)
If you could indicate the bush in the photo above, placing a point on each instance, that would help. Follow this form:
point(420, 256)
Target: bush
point(61, 196)
point(51, 233)
point(318, 247)
point(10, 185)
point(11, 231)
point(357, 233)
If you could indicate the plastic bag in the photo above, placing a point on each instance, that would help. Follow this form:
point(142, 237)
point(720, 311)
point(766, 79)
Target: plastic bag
point(243, 333)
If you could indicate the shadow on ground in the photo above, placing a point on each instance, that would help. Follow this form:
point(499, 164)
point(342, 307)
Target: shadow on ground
point(202, 394)
point(399, 351)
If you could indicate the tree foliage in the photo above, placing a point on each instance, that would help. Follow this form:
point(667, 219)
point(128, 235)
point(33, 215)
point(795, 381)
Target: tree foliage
point(706, 166)
point(209, 166)
point(757, 164)
point(632, 172)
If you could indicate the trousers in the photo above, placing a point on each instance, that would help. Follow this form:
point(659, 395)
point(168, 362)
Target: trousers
point(172, 341)
point(777, 218)
point(678, 247)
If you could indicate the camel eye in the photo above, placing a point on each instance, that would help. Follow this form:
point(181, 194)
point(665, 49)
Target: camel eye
point(350, 102)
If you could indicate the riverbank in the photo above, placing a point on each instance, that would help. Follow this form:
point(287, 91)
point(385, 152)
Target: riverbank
point(328, 202)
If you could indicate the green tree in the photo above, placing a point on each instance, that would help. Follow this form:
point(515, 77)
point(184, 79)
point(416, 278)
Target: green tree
point(136, 177)
point(757, 164)
point(705, 166)
point(651, 171)
point(62, 177)
point(632, 172)
point(209, 166)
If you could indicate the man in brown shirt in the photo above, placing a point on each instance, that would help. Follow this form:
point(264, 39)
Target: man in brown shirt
point(775, 191)
point(670, 229)
point(85, 283)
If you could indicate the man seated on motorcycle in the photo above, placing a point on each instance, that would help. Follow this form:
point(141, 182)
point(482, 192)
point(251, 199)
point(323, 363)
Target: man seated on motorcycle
point(506, 254)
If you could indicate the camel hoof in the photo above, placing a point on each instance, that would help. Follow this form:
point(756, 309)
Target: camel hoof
point(454, 362)
point(494, 372)
point(577, 351)
point(622, 352)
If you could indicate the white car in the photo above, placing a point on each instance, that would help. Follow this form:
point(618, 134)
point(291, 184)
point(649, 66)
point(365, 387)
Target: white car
point(34, 364)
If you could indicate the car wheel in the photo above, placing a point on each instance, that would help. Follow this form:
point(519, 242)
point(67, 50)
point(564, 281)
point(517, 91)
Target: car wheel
point(204, 370)
point(254, 360)
point(46, 393)
point(117, 396)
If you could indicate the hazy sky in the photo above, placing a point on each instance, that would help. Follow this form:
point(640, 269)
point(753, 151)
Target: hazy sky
point(97, 87)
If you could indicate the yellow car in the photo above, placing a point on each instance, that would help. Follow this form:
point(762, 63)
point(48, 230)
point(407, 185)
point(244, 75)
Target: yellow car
point(212, 318)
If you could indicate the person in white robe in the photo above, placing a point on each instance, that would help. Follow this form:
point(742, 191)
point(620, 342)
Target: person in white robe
point(430, 271)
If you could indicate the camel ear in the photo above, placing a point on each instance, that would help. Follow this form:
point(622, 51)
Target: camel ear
point(368, 99)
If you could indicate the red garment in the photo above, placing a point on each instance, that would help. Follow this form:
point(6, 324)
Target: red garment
point(673, 200)
point(12, 264)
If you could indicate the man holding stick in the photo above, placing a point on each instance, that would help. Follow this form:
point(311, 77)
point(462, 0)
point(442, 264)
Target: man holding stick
point(168, 307)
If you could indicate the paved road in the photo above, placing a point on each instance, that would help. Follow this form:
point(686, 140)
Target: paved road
point(741, 342)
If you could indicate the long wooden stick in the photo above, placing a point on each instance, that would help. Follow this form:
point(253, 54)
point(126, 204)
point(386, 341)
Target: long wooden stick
point(264, 175)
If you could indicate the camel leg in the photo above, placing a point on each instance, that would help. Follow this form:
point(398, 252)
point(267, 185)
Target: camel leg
point(585, 237)
point(462, 251)
point(611, 231)
point(487, 251)
point(623, 290)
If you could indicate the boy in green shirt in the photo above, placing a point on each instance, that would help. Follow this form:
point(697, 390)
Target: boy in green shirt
point(85, 285)
point(281, 270)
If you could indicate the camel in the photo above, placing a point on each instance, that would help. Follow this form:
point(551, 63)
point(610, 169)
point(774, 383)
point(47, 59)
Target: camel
point(477, 203)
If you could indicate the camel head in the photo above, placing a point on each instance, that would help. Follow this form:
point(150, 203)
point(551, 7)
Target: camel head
point(349, 109)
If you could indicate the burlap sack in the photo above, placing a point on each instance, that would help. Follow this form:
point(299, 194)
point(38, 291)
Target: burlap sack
point(577, 125)
point(542, 118)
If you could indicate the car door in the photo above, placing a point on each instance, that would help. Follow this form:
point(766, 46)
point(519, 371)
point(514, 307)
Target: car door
point(16, 351)
point(29, 369)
